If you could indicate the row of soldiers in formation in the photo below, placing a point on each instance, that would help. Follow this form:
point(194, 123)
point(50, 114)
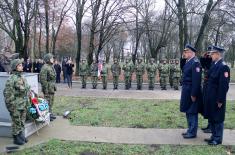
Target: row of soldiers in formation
point(165, 70)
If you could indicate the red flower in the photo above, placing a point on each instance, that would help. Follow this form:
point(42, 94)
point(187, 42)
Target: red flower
point(34, 100)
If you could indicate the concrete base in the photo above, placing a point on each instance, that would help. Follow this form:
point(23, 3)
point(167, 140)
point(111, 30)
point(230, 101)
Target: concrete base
point(30, 127)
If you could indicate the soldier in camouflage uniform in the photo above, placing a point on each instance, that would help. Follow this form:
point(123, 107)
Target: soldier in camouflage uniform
point(94, 74)
point(132, 69)
point(176, 75)
point(139, 71)
point(151, 69)
point(48, 79)
point(16, 94)
point(127, 68)
point(104, 74)
point(116, 71)
point(83, 71)
point(163, 73)
point(171, 67)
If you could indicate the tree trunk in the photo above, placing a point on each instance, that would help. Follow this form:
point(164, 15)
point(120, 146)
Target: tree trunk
point(46, 5)
point(205, 20)
point(40, 38)
point(181, 26)
point(95, 13)
point(79, 15)
point(185, 23)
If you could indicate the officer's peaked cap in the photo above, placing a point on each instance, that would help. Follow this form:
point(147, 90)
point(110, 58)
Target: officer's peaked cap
point(190, 47)
point(217, 49)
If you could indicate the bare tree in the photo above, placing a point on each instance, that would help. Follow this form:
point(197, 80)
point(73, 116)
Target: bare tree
point(95, 6)
point(46, 7)
point(58, 15)
point(80, 6)
point(209, 8)
point(15, 20)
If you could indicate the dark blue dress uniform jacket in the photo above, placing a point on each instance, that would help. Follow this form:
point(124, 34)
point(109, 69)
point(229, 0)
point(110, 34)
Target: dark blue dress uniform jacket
point(218, 85)
point(191, 86)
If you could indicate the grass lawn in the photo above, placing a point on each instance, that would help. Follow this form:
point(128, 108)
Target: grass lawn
point(57, 147)
point(130, 113)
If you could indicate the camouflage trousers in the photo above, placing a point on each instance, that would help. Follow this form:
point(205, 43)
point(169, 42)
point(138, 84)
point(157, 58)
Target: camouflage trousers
point(18, 118)
point(115, 81)
point(83, 79)
point(130, 80)
point(50, 99)
point(127, 81)
point(94, 81)
point(171, 80)
point(163, 82)
point(151, 82)
point(176, 81)
point(104, 81)
point(139, 80)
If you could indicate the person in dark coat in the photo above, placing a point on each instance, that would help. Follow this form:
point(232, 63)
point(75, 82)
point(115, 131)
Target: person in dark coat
point(35, 66)
point(40, 64)
point(69, 66)
point(206, 63)
point(1, 68)
point(58, 71)
point(28, 66)
point(64, 69)
point(217, 88)
point(191, 90)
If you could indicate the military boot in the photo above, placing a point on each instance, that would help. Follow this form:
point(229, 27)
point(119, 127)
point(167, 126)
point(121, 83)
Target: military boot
point(176, 88)
point(22, 136)
point(52, 117)
point(18, 140)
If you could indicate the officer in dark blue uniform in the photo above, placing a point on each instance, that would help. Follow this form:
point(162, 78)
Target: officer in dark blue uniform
point(191, 90)
point(217, 88)
point(205, 63)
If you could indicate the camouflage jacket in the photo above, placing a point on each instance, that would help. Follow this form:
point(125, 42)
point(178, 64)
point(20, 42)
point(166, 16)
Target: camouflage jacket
point(163, 70)
point(16, 92)
point(132, 66)
point(127, 69)
point(48, 79)
point(94, 69)
point(151, 69)
point(176, 71)
point(171, 69)
point(104, 71)
point(116, 69)
point(139, 69)
point(83, 69)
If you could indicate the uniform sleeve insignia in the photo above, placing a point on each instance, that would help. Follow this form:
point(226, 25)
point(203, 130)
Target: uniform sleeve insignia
point(198, 69)
point(226, 74)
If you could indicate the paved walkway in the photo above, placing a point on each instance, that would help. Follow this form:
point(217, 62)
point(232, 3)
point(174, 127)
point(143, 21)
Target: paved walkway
point(61, 129)
point(63, 90)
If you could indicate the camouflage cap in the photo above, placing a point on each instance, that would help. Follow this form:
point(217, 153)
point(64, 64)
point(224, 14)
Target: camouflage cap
point(15, 63)
point(47, 57)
